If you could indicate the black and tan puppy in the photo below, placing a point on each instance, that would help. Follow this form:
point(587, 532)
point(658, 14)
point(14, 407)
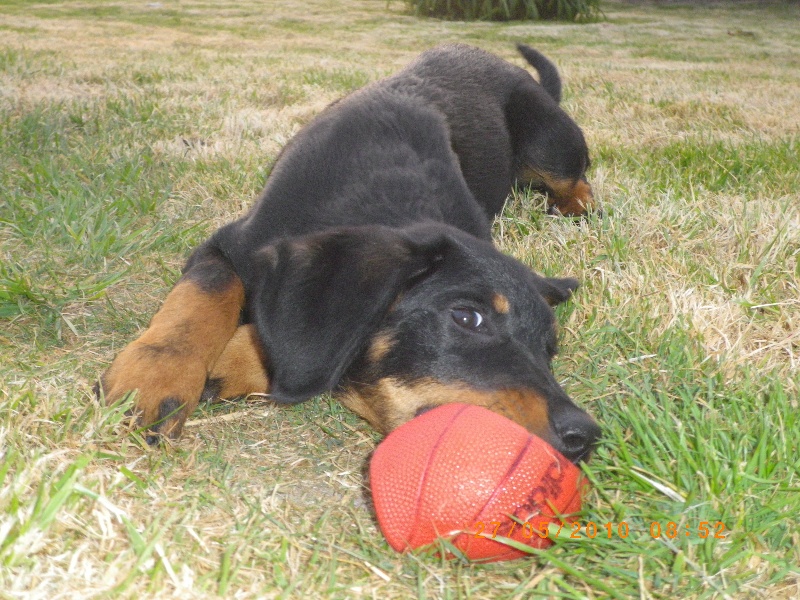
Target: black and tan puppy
point(366, 267)
point(504, 126)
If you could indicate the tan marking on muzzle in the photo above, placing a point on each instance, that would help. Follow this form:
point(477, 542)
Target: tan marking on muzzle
point(571, 198)
point(390, 403)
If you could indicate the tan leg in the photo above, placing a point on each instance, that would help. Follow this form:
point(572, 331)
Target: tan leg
point(170, 362)
point(241, 369)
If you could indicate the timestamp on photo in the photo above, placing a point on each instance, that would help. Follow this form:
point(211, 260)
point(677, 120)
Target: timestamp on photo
point(702, 530)
point(591, 530)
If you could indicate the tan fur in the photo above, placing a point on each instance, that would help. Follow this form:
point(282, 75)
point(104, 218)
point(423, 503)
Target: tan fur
point(572, 198)
point(172, 358)
point(501, 304)
point(241, 367)
point(390, 403)
point(380, 347)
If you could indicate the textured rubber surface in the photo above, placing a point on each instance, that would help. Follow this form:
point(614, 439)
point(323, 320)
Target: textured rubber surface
point(458, 466)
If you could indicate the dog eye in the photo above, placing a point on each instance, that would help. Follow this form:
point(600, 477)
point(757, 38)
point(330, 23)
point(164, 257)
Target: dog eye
point(467, 318)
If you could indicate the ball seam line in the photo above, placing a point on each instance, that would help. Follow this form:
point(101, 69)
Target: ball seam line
point(431, 457)
point(505, 478)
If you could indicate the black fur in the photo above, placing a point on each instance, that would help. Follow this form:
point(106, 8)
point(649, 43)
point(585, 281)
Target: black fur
point(548, 74)
point(501, 121)
point(209, 269)
point(322, 295)
point(376, 217)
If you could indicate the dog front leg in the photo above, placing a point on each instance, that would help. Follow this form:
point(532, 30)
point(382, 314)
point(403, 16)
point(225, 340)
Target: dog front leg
point(241, 368)
point(170, 362)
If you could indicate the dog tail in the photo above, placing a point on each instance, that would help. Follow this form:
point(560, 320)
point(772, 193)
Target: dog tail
point(548, 74)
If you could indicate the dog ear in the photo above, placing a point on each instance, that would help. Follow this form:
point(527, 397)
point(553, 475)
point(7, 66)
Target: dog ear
point(321, 296)
point(556, 290)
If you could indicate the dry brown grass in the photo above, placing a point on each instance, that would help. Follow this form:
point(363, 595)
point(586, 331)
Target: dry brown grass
point(690, 287)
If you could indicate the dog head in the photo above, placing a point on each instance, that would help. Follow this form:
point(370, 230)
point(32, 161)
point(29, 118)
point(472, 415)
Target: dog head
point(549, 148)
point(397, 321)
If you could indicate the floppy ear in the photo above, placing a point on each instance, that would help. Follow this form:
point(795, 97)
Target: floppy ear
point(321, 297)
point(556, 290)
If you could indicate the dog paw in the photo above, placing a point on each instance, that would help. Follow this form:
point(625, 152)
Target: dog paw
point(167, 387)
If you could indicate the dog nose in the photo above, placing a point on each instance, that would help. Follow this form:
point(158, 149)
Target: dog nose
point(577, 435)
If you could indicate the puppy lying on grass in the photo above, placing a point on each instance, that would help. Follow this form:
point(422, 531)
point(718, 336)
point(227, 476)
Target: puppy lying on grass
point(366, 267)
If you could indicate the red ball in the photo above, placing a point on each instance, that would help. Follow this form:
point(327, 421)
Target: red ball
point(458, 472)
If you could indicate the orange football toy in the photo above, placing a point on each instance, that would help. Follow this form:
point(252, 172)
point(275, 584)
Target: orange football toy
point(458, 472)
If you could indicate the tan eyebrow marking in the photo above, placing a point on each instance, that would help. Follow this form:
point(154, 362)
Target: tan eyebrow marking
point(501, 304)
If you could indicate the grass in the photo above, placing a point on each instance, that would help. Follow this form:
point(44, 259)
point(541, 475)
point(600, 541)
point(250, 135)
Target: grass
point(507, 10)
point(130, 131)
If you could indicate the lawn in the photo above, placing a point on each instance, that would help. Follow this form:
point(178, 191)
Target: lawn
point(130, 130)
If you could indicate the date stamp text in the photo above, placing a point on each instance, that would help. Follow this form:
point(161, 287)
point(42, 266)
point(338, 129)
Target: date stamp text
point(591, 530)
